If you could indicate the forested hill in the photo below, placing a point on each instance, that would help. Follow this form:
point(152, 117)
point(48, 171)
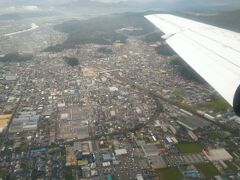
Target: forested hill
point(16, 57)
point(101, 30)
point(228, 20)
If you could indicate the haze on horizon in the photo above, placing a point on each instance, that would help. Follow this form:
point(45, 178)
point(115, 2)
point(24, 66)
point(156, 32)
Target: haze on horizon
point(10, 6)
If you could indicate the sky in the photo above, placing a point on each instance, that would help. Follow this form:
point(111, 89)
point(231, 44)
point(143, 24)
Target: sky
point(112, 1)
point(139, 1)
point(177, 1)
point(170, 1)
point(38, 5)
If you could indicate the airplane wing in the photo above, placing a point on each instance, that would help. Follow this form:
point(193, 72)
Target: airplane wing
point(212, 52)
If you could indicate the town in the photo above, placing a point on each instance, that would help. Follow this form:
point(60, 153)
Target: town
point(121, 111)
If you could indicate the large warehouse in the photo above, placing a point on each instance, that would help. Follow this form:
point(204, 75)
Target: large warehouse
point(4, 120)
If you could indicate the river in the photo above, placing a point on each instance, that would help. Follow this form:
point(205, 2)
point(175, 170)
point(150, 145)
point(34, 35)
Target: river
point(33, 26)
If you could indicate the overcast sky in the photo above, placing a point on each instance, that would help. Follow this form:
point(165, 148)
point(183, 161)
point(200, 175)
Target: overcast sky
point(139, 1)
point(36, 5)
point(167, 0)
point(142, 1)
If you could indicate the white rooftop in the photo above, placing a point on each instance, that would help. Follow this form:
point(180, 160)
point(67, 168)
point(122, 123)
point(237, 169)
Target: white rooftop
point(218, 155)
point(120, 152)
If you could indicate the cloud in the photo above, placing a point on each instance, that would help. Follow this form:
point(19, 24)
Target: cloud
point(22, 8)
point(30, 8)
point(11, 8)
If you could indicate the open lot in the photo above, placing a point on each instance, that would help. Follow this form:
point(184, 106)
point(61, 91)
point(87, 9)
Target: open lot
point(171, 173)
point(207, 169)
point(189, 147)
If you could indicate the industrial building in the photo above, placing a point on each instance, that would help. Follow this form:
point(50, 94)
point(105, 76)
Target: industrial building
point(218, 154)
point(119, 152)
point(108, 157)
point(73, 124)
point(192, 123)
point(79, 154)
point(26, 121)
point(4, 121)
point(11, 78)
point(150, 150)
point(157, 162)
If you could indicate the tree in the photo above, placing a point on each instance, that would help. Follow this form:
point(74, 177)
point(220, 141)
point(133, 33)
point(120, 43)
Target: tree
point(72, 61)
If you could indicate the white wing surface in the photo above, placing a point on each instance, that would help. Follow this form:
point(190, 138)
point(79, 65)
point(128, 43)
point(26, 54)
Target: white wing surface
point(212, 52)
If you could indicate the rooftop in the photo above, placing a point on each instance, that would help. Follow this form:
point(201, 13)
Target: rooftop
point(218, 154)
point(157, 162)
point(150, 149)
point(193, 122)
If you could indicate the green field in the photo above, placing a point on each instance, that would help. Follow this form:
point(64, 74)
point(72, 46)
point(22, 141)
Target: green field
point(179, 95)
point(189, 147)
point(68, 173)
point(216, 104)
point(171, 173)
point(3, 172)
point(207, 169)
